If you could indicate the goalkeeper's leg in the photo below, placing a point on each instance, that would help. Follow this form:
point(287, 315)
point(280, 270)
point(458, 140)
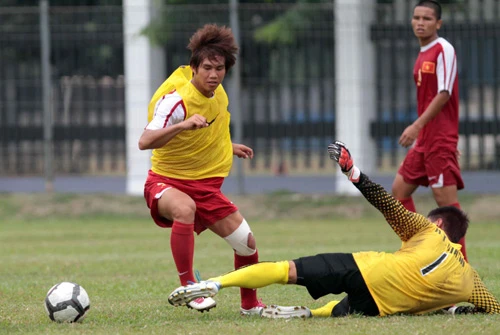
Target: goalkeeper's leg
point(256, 275)
point(252, 277)
point(326, 310)
point(287, 312)
point(333, 308)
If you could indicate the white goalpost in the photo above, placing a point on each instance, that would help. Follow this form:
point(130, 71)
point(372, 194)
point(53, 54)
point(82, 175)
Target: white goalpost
point(144, 72)
point(355, 84)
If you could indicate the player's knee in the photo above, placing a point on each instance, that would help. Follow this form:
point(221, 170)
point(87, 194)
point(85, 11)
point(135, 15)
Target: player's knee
point(292, 273)
point(184, 212)
point(401, 189)
point(397, 190)
point(242, 240)
point(251, 241)
point(442, 201)
point(439, 200)
point(445, 196)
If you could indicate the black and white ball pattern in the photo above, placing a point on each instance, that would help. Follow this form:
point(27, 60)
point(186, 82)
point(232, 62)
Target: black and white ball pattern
point(67, 302)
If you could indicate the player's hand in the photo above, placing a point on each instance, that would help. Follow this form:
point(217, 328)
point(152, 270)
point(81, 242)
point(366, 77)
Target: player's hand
point(339, 153)
point(242, 151)
point(409, 135)
point(195, 122)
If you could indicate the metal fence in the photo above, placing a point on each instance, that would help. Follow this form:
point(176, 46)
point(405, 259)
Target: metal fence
point(288, 92)
point(288, 84)
point(87, 91)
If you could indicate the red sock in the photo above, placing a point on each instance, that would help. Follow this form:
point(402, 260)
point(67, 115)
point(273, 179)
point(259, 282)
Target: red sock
point(182, 246)
point(409, 204)
point(462, 240)
point(456, 204)
point(248, 296)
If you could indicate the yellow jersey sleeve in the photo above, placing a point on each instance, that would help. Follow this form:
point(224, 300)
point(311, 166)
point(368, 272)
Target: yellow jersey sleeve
point(482, 299)
point(404, 222)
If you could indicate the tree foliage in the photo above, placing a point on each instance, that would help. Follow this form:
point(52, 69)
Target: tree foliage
point(286, 28)
point(282, 29)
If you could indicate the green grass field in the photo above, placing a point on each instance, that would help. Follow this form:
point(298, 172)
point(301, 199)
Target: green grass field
point(110, 246)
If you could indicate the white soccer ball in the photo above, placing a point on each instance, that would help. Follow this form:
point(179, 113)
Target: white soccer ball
point(67, 302)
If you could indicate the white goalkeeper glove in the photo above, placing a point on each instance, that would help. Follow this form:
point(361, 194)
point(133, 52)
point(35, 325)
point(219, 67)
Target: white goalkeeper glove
point(339, 153)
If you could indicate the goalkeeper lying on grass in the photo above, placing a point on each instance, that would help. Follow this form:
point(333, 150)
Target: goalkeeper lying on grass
point(427, 273)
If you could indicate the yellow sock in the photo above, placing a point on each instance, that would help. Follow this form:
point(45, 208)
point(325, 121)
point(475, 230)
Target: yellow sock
point(256, 275)
point(325, 311)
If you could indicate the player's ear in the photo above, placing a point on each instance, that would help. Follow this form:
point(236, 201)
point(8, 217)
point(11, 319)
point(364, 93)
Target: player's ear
point(438, 24)
point(439, 222)
point(194, 69)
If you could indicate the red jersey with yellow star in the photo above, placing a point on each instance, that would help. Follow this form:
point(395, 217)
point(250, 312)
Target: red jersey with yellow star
point(435, 71)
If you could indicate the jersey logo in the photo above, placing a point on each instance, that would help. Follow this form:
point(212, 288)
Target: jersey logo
point(428, 67)
point(209, 123)
point(436, 181)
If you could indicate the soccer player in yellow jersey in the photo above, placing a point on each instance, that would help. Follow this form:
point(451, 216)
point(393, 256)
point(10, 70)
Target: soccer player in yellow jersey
point(427, 273)
point(188, 131)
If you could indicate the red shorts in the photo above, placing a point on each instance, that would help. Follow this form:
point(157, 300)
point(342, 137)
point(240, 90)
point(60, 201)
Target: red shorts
point(211, 204)
point(436, 169)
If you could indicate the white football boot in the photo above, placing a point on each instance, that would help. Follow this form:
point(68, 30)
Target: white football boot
point(285, 312)
point(202, 304)
point(256, 310)
point(184, 295)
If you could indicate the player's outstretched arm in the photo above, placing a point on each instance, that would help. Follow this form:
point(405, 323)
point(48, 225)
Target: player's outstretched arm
point(404, 223)
point(481, 298)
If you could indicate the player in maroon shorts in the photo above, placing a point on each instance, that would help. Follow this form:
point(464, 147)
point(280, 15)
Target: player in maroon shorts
point(432, 161)
point(188, 131)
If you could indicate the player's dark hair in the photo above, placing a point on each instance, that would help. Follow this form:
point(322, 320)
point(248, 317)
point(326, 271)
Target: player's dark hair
point(433, 5)
point(455, 221)
point(212, 41)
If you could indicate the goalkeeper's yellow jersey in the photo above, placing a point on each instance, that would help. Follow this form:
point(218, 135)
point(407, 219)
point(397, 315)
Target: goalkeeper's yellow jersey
point(193, 154)
point(428, 272)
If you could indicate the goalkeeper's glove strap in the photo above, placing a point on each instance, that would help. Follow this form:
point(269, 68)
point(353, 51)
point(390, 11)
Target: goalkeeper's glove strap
point(353, 174)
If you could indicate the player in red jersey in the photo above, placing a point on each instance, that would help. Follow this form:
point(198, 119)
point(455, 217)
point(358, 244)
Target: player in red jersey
point(432, 160)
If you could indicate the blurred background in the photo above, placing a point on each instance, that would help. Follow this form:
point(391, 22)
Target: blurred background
point(76, 78)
